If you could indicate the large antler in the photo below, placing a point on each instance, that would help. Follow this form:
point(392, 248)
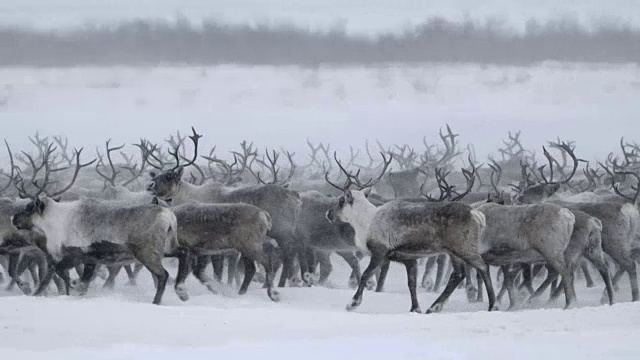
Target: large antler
point(76, 171)
point(273, 168)
point(354, 179)
point(12, 174)
point(614, 185)
point(195, 138)
point(569, 150)
point(111, 179)
point(447, 191)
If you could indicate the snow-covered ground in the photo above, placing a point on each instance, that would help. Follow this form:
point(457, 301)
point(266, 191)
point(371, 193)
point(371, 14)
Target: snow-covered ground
point(309, 323)
point(282, 106)
point(354, 16)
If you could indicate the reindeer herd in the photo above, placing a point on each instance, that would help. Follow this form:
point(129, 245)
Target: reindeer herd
point(261, 215)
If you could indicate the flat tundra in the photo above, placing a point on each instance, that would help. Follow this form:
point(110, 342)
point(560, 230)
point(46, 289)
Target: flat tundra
point(98, 232)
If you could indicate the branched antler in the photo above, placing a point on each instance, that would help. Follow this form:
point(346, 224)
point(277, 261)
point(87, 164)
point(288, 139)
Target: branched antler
point(273, 167)
point(354, 179)
point(111, 179)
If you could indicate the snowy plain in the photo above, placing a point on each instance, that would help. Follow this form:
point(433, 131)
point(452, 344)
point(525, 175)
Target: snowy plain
point(592, 104)
point(310, 323)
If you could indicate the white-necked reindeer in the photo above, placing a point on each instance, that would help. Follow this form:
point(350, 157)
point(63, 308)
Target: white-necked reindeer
point(96, 232)
point(404, 231)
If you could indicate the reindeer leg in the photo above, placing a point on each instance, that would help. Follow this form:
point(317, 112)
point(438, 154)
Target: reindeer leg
point(527, 275)
point(457, 275)
point(627, 264)
point(269, 258)
point(382, 277)
point(217, 262)
point(587, 275)
point(232, 269)
point(412, 281)
point(88, 271)
point(558, 264)
point(426, 283)
point(288, 255)
point(600, 265)
point(480, 281)
point(113, 273)
point(249, 272)
point(441, 261)
point(552, 275)
point(200, 265)
point(183, 271)
point(324, 261)
point(378, 256)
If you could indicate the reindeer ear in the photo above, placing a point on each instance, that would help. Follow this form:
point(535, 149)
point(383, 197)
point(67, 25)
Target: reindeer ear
point(154, 201)
point(57, 199)
point(178, 172)
point(367, 192)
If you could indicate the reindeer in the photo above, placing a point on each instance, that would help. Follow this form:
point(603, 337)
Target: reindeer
point(403, 231)
point(93, 232)
point(206, 229)
point(620, 221)
point(282, 205)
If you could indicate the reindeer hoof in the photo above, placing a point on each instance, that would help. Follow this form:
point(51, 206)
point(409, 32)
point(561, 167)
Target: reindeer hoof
point(416, 310)
point(434, 309)
point(274, 295)
point(182, 293)
point(370, 285)
point(25, 287)
point(310, 279)
point(353, 305)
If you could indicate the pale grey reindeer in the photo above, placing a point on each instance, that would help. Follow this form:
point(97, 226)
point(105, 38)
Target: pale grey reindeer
point(620, 224)
point(283, 205)
point(94, 232)
point(207, 229)
point(404, 231)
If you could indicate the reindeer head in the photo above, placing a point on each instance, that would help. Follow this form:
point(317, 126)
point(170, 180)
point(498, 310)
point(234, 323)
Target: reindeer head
point(165, 184)
point(353, 202)
point(536, 194)
point(349, 205)
point(24, 219)
point(531, 192)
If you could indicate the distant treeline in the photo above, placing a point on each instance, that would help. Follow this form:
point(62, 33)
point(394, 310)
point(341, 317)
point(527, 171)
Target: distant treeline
point(436, 40)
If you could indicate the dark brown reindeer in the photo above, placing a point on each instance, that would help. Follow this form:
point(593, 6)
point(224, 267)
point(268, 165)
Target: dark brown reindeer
point(283, 205)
